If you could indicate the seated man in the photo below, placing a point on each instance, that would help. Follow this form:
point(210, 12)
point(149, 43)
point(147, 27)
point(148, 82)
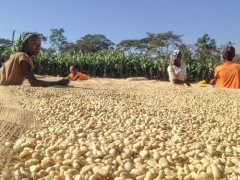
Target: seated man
point(76, 75)
point(227, 74)
point(176, 70)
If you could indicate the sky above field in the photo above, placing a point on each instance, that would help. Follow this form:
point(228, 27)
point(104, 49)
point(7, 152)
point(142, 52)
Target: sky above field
point(124, 19)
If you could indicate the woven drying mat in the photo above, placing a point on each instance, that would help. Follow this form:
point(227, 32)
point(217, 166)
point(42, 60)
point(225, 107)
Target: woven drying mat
point(14, 121)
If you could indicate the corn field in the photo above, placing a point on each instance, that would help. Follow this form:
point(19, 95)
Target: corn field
point(115, 64)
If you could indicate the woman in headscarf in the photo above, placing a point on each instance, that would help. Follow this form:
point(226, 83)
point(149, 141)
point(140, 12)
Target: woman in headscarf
point(19, 66)
point(176, 70)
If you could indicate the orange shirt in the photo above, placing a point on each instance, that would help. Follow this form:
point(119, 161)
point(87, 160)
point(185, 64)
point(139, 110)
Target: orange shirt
point(228, 75)
point(11, 72)
point(81, 76)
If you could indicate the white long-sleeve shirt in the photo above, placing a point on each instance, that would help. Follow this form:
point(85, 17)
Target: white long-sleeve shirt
point(175, 72)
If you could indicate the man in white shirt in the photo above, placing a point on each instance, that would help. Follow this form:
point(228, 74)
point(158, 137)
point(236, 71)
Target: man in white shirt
point(176, 70)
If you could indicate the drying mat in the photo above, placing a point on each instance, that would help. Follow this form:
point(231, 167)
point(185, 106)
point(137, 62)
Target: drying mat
point(14, 121)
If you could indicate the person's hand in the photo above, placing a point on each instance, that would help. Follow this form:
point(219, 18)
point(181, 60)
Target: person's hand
point(212, 81)
point(187, 83)
point(65, 78)
point(63, 82)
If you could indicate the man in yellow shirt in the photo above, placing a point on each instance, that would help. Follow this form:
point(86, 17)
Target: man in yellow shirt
point(76, 75)
point(228, 74)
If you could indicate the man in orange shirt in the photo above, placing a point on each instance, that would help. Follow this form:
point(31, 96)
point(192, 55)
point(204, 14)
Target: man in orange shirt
point(76, 75)
point(228, 74)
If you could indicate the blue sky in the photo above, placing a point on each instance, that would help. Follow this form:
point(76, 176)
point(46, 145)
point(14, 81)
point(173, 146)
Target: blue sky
point(124, 19)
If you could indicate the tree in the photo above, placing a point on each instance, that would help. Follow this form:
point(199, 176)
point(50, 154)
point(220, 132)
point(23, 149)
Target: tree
point(206, 48)
point(133, 46)
point(41, 36)
point(5, 43)
point(5, 49)
point(160, 44)
point(94, 43)
point(222, 47)
point(187, 52)
point(57, 39)
point(237, 58)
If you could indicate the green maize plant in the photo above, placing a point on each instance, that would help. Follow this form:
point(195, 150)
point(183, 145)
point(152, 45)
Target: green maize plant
point(204, 69)
point(111, 63)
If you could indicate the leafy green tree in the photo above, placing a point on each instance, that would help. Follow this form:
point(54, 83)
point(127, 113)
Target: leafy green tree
point(133, 46)
point(42, 37)
point(161, 44)
point(206, 48)
point(126, 46)
point(5, 49)
point(187, 52)
point(94, 43)
point(237, 58)
point(57, 40)
point(222, 47)
point(5, 43)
